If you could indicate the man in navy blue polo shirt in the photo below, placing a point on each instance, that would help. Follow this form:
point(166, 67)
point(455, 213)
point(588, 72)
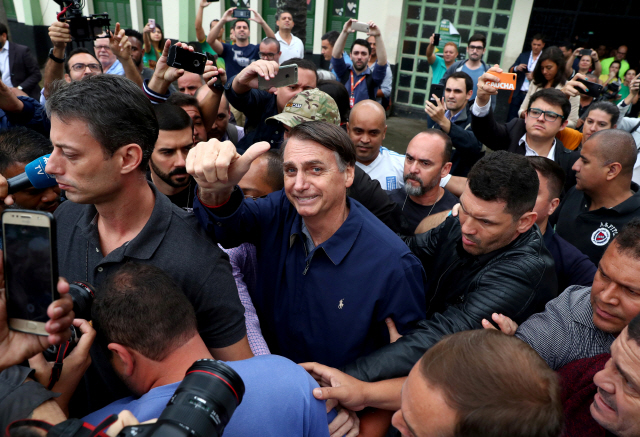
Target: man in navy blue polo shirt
point(361, 81)
point(329, 272)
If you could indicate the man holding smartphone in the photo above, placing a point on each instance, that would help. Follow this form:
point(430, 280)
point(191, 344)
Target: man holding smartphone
point(361, 81)
point(241, 54)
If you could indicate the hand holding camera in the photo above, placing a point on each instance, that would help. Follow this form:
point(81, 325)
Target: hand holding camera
point(164, 74)
point(485, 89)
point(60, 35)
point(214, 77)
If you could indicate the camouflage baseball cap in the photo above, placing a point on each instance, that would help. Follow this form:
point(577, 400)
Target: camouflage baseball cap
point(309, 105)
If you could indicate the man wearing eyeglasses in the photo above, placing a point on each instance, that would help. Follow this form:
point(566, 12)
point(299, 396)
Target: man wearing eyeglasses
point(270, 50)
point(474, 66)
point(546, 115)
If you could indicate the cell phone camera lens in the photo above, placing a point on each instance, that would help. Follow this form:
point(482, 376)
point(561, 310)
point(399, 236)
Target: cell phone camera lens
point(196, 63)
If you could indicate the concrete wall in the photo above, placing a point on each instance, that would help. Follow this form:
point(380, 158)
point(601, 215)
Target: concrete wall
point(387, 14)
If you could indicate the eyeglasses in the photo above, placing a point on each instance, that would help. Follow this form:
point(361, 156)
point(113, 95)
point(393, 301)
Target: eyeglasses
point(476, 48)
point(246, 196)
point(82, 67)
point(267, 55)
point(548, 115)
point(98, 48)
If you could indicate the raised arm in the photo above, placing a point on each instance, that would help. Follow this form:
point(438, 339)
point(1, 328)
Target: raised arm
point(121, 47)
point(381, 51)
point(431, 56)
point(338, 47)
point(164, 75)
point(258, 19)
point(146, 38)
point(212, 38)
point(569, 66)
point(60, 36)
point(200, 33)
point(211, 102)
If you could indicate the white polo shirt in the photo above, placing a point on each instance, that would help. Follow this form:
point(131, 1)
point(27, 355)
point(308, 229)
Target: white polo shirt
point(293, 50)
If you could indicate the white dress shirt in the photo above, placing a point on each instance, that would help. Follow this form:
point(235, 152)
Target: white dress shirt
point(293, 50)
point(4, 65)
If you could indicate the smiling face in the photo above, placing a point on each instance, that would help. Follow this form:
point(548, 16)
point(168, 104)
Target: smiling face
point(367, 128)
point(485, 225)
point(615, 294)
point(585, 63)
point(616, 406)
point(450, 53)
point(104, 53)
point(312, 180)
point(241, 31)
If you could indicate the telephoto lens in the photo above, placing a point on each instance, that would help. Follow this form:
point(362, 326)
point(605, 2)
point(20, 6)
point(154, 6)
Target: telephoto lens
point(201, 406)
point(82, 294)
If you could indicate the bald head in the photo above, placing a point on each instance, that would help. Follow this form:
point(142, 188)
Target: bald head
point(435, 140)
point(615, 145)
point(367, 128)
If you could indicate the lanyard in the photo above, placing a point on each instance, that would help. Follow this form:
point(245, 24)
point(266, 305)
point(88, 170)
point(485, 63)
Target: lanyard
point(353, 87)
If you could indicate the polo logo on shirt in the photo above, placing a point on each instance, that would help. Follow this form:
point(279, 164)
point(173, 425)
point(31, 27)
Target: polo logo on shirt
point(341, 304)
point(391, 183)
point(603, 234)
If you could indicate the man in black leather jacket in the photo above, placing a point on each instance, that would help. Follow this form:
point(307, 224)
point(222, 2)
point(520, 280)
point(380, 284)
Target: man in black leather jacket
point(491, 258)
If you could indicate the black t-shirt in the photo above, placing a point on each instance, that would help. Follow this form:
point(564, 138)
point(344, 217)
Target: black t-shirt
point(172, 240)
point(183, 199)
point(415, 212)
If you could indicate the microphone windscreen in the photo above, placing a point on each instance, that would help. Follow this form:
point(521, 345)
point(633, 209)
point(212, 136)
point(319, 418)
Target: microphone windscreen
point(37, 176)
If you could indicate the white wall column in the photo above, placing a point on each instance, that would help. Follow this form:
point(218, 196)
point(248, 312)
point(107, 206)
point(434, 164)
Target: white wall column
point(517, 31)
point(320, 25)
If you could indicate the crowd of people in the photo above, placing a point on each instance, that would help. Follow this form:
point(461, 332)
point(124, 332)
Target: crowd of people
point(483, 283)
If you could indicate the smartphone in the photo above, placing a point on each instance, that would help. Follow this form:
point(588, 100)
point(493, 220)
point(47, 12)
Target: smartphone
point(436, 39)
point(186, 59)
point(152, 24)
point(507, 81)
point(593, 89)
point(30, 268)
point(286, 75)
point(242, 13)
point(360, 27)
point(212, 58)
point(586, 52)
point(438, 90)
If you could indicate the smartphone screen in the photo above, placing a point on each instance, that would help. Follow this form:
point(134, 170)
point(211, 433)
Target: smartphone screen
point(29, 269)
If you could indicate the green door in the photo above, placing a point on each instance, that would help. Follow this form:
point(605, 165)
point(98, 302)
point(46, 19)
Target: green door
point(338, 13)
point(152, 9)
point(10, 9)
point(119, 11)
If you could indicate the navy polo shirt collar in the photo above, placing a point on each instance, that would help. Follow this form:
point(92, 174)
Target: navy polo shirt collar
point(144, 245)
point(338, 245)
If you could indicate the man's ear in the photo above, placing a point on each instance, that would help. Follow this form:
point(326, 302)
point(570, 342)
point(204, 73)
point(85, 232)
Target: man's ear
point(613, 170)
point(526, 221)
point(469, 94)
point(566, 122)
point(347, 126)
point(67, 78)
point(123, 357)
point(349, 175)
point(553, 206)
point(130, 157)
point(445, 169)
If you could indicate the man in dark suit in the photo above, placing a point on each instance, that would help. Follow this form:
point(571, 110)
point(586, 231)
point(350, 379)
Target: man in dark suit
point(546, 115)
point(523, 67)
point(19, 69)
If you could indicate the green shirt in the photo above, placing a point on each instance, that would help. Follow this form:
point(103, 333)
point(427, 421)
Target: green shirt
point(438, 69)
point(206, 48)
point(624, 66)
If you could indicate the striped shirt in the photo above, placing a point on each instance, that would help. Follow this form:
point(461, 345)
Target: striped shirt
point(564, 331)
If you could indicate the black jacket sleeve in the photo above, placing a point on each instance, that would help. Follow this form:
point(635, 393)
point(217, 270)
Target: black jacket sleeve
point(488, 131)
point(464, 139)
point(31, 72)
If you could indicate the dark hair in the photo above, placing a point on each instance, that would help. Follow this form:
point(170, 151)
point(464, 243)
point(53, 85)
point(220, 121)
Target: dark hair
point(172, 117)
point(468, 82)
point(3, 28)
point(283, 12)
point(615, 145)
point(332, 37)
point(566, 44)
point(525, 393)
point(240, 20)
point(21, 144)
point(448, 144)
point(141, 307)
point(619, 67)
point(628, 239)
point(302, 63)
point(339, 94)
point(114, 108)
point(269, 40)
point(552, 96)
point(554, 55)
point(275, 176)
point(508, 177)
point(362, 42)
point(163, 39)
point(633, 330)
point(606, 107)
point(181, 100)
point(327, 135)
point(74, 52)
point(552, 172)
point(135, 34)
point(479, 37)
point(539, 37)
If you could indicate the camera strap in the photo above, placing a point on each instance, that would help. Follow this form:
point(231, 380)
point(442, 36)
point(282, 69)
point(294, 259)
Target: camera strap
point(57, 365)
point(68, 428)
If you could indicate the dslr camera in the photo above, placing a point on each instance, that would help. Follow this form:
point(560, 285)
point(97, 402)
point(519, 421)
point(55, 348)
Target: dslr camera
point(82, 28)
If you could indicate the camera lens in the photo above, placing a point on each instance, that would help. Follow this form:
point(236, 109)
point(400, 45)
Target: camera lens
point(82, 294)
point(205, 399)
point(196, 63)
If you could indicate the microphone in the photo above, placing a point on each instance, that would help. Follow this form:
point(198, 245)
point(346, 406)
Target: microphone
point(33, 176)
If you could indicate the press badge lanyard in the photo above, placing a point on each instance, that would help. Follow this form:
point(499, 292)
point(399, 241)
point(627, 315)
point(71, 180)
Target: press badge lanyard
point(352, 99)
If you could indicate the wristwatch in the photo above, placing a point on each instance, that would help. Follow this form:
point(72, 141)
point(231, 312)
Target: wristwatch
point(55, 59)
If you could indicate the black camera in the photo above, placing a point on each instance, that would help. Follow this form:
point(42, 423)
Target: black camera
point(82, 295)
point(186, 60)
point(82, 28)
point(201, 406)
